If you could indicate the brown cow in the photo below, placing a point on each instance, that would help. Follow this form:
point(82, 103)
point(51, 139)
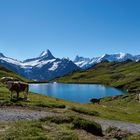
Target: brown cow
point(18, 87)
point(15, 85)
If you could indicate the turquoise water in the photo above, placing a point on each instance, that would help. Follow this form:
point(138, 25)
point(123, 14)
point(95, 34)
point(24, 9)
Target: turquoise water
point(80, 93)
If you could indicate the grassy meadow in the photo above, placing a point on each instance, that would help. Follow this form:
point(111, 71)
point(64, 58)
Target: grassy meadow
point(73, 121)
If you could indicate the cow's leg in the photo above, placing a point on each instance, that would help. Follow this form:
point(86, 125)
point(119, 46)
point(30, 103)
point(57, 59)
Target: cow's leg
point(26, 93)
point(11, 95)
point(17, 94)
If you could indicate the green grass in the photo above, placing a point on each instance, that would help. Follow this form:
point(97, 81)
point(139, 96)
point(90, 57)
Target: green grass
point(116, 74)
point(63, 127)
point(36, 100)
point(133, 137)
point(78, 123)
point(89, 126)
point(84, 111)
point(36, 130)
point(58, 127)
point(122, 75)
point(124, 107)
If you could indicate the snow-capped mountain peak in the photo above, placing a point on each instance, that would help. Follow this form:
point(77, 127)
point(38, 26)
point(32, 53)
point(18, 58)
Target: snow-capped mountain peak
point(82, 62)
point(104, 55)
point(80, 58)
point(137, 58)
point(66, 58)
point(46, 53)
point(125, 56)
point(122, 55)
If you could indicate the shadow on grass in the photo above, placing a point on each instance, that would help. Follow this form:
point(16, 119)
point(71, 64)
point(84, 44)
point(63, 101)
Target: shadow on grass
point(19, 99)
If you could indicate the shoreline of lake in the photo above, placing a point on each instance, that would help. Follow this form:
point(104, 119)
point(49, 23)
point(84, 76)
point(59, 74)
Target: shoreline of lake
point(75, 92)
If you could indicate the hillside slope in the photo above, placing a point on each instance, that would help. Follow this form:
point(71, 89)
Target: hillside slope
point(117, 74)
point(5, 72)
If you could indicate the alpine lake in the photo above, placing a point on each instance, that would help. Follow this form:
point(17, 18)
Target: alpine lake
point(79, 93)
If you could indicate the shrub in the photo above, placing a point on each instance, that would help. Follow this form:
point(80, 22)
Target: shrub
point(89, 126)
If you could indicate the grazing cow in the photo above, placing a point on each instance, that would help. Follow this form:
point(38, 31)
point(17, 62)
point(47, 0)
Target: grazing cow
point(18, 87)
point(94, 100)
point(15, 85)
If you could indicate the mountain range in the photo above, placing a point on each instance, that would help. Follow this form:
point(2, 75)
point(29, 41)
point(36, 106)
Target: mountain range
point(47, 67)
point(43, 67)
point(85, 63)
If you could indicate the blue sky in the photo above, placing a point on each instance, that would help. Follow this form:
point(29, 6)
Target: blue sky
point(69, 27)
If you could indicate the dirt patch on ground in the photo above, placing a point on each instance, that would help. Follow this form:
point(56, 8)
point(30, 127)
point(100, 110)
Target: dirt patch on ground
point(22, 113)
point(125, 126)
